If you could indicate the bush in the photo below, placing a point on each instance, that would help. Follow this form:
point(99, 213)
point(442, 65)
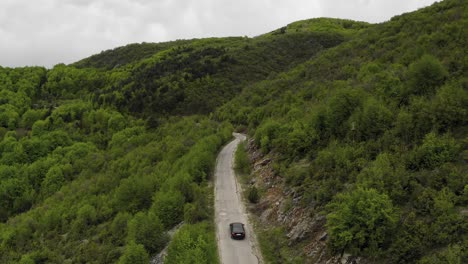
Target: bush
point(253, 195)
point(425, 75)
point(434, 151)
point(169, 206)
point(193, 244)
point(134, 254)
point(242, 163)
point(148, 231)
point(360, 222)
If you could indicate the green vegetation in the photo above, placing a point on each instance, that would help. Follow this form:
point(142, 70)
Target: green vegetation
point(367, 124)
point(372, 133)
point(253, 195)
point(241, 159)
point(275, 249)
point(82, 182)
point(360, 222)
point(193, 244)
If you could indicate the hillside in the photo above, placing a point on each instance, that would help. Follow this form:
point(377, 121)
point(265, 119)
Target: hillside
point(372, 135)
point(362, 129)
point(102, 157)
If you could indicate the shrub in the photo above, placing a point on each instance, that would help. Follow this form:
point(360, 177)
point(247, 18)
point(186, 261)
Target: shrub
point(434, 151)
point(134, 254)
point(253, 195)
point(148, 231)
point(360, 221)
point(193, 244)
point(425, 75)
point(242, 163)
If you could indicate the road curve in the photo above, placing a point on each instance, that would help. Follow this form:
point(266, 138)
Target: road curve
point(229, 208)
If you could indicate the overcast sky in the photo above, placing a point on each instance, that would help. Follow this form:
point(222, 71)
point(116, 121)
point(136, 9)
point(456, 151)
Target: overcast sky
point(47, 32)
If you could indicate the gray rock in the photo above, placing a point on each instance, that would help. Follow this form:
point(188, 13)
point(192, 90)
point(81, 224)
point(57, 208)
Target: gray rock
point(323, 237)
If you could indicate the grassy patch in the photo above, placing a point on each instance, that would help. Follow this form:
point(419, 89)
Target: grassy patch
point(274, 246)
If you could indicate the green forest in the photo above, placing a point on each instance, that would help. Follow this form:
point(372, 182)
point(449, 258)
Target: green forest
point(368, 122)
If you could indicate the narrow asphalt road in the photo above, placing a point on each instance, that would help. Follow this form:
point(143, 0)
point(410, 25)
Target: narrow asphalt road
point(229, 208)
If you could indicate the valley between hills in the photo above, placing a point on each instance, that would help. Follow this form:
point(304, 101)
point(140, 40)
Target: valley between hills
point(355, 151)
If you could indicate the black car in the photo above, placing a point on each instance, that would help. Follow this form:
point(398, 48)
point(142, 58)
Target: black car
point(237, 230)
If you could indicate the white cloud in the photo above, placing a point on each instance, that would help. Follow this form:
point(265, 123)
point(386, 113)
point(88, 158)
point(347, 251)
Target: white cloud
point(47, 32)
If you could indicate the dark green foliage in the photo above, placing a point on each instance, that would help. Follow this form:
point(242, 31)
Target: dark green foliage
point(371, 121)
point(253, 195)
point(93, 154)
point(384, 111)
point(434, 151)
point(169, 206)
point(148, 231)
point(449, 107)
point(453, 254)
point(198, 210)
point(425, 75)
point(273, 244)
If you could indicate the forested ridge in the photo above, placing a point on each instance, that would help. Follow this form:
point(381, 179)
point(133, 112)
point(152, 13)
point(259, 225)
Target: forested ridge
point(368, 123)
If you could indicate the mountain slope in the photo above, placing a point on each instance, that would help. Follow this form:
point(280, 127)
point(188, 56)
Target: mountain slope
point(98, 163)
point(199, 75)
point(379, 121)
point(100, 158)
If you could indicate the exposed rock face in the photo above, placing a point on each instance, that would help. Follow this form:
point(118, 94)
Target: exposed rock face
point(281, 206)
point(159, 258)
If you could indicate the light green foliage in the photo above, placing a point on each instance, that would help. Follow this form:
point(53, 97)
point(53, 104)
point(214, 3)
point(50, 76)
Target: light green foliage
point(87, 214)
point(9, 117)
point(360, 221)
point(434, 151)
point(386, 176)
point(242, 162)
point(266, 133)
point(193, 244)
point(53, 181)
point(341, 105)
point(26, 259)
point(326, 25)
point(134, 254)
point(39, 127)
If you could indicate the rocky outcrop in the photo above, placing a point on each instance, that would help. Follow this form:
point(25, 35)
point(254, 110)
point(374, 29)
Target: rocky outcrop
point(280, 205)
point(159, 258)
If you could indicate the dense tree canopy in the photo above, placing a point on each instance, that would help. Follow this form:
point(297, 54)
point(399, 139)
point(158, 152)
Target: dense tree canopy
point(366, 123)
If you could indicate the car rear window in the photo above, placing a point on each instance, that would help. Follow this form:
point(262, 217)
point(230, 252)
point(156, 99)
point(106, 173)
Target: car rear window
point(237, 228)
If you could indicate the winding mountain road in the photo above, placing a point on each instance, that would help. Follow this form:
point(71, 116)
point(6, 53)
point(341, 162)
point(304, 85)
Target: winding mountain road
point(229, 208)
